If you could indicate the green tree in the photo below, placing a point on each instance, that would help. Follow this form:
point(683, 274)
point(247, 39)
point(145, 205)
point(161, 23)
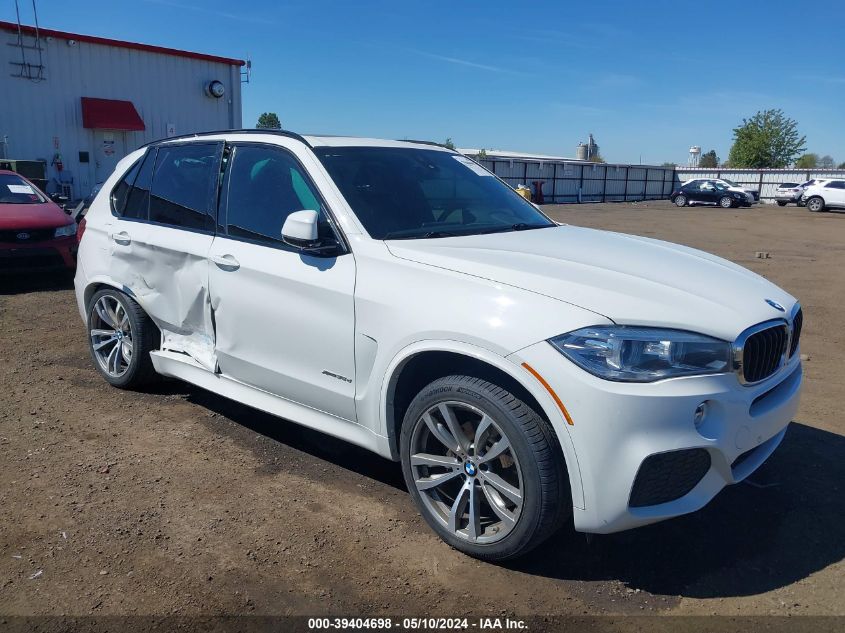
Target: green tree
point(841, 166)
point(482, 154)
point(807, 161)
point(448, 143)
point(596, 158)
point(768, 139)
point(709, 159)
point(827, 162)
point(269, 121)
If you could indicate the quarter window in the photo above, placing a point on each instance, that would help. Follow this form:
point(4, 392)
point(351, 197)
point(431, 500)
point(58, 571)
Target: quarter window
point(121, 191)
point(182, 185)
point(138, 199)
point(266, 185)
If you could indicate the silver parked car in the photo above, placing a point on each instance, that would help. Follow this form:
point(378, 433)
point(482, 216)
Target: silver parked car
point(788, 192)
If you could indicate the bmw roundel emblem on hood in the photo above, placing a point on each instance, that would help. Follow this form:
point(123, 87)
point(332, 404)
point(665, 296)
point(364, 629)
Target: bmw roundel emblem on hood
point(23, 235)
point(776, 305)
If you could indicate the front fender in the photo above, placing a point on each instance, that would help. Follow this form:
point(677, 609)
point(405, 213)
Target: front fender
point(515, 371)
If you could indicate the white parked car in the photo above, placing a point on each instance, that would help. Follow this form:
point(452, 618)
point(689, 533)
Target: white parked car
point(788, 192)
point(753, 194)
point(829, 194)
point(401, 297)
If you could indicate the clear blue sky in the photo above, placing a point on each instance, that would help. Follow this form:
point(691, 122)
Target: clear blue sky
point(647, 78)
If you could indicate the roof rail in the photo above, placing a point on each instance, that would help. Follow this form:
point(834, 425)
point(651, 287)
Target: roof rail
point(183, 137)
point(411, 140)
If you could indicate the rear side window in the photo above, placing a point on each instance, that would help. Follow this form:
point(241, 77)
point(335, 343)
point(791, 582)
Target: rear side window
point(182, 185)
point(836, 184)
point(266, 185)
point(138, 199)
point(121, 192)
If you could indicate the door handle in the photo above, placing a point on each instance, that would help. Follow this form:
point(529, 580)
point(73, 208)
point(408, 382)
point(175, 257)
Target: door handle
point(121, 238)
point(226, 262)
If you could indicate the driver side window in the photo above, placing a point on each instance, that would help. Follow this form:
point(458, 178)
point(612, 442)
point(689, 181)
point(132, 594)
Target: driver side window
point(266, 185)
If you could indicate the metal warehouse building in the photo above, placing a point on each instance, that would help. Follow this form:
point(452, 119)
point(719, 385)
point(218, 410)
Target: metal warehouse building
point(80, 103)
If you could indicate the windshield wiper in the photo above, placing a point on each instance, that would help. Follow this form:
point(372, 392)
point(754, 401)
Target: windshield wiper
point(419, 236)
point(522, 226)
point(519, 226)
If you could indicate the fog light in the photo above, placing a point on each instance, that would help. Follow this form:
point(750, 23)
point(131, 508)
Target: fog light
point(700, 415)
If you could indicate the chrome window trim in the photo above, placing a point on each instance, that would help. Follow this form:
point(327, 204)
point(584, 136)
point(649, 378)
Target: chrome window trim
point(739, 346)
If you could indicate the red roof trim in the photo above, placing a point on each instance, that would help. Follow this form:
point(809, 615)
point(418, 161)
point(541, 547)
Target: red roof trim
point(110, 114)
point(92, 39)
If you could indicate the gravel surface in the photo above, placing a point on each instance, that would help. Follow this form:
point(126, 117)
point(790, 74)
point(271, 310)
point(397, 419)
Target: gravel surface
point(177, 501)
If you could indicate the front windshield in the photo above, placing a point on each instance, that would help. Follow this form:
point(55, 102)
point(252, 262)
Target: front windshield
point(16, 190)
point(409, 193)
point(730, 182)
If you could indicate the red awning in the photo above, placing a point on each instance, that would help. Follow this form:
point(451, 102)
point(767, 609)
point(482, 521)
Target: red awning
point(110, 114)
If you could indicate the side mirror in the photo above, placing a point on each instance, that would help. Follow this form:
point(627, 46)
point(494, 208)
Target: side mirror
point(300, 229)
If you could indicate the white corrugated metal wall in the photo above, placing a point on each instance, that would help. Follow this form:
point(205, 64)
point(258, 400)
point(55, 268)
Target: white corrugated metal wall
point(165, 89)
point(765, 180)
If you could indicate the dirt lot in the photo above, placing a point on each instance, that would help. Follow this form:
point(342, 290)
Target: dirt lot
point(178, 501)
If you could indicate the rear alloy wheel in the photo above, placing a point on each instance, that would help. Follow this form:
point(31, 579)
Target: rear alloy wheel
point(484, 469)
point(680, 201)
point(121, 337)
point(725, 202)
point(815, 204)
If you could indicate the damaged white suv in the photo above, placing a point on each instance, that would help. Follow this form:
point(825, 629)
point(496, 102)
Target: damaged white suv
point(401, 297)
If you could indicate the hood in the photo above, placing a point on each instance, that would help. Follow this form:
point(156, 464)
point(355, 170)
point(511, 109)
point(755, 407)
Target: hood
point(47, 215)
point(630, 280)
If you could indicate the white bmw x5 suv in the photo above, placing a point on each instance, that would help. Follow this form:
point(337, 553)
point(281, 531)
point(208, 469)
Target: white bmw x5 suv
point(399, 296)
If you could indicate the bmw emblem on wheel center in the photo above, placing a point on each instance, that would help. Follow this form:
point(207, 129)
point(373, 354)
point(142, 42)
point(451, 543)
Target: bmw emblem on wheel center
point(470, 469)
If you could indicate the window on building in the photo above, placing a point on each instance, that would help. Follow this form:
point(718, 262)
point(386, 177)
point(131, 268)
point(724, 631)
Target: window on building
point(182, 185)
point(266, 185)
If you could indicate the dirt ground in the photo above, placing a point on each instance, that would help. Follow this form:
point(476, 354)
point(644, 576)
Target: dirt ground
point(177, 501)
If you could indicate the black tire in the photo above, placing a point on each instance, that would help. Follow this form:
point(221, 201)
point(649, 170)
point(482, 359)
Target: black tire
point(815, 204)
point(680, 200)
point(781, 203)
point(546, 498)
point(145, 338)
point(723, 200)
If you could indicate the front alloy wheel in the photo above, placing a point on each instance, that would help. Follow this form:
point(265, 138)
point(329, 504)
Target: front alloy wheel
point(466, 472)
point(725, 202)
point(484, 468)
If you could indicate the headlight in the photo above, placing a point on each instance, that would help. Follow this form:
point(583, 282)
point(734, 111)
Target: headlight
point(739, 195)
point(64, 231)
point(643, 354)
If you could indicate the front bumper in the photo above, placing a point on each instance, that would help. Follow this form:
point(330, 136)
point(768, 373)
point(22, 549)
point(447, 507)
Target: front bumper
point(617, 426)
point(43, 255)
